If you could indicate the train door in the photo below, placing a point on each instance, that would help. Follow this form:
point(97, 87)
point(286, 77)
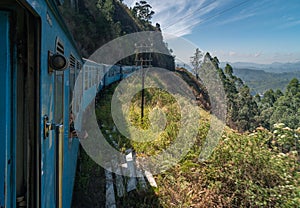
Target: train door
point(19, 108)
point(26, 108)
point(5, 112)
point(53, 142)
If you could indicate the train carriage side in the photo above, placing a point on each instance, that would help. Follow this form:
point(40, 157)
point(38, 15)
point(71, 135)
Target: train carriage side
point(37, 158)
point(93, 75)
point(113, 74)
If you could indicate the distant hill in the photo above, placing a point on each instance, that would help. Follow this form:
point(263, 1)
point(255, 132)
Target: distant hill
point(259, 80)
point(275, 67)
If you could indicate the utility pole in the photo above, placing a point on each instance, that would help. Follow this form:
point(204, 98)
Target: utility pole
point(143, 58)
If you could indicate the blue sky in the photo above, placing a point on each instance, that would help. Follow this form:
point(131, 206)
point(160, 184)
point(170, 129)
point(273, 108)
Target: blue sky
point(259, 31)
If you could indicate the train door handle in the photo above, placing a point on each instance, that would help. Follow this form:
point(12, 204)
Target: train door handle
point(59, 139)
point(48, 126)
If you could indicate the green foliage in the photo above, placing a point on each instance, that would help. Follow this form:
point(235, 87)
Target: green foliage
point(155, 99)
point(242, 172)
point(260, 169)
point(245, 112)
point(242, 110)
point(276, 107)
point(96, 22)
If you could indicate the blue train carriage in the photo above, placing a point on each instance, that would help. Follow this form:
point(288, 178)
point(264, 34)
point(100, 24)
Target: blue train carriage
point(39, 64)
point(128, 70)
point(114, 74)
point(92, 80)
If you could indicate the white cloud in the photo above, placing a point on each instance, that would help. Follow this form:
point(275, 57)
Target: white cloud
point(237, 18)
point(290, 23)
point(181, 16)
point(232, 53)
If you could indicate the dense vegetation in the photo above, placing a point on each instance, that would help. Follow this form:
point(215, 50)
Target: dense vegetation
point(257, 167)
point(242, 109)
point(260, 169)
point(279, 107)
point(246, 112)
point(96, 22)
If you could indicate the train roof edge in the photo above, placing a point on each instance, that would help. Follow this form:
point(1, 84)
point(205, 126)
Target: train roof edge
point(53, 5)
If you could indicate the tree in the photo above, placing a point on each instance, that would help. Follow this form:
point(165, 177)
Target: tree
point(293, 87)
point(196, 61)
point(228, 70)
point(142, 10)
point(276, 107)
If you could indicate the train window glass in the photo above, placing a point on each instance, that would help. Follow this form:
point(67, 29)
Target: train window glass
point(59, 97)
point(78, 93)
point(99, 74)
point(77, 86)
point(90, 77)
point(103, 70)
point(78, 68)
point(72, 76)
point(86, 78)
point(95, 76)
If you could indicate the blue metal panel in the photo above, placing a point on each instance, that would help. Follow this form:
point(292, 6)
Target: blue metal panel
point(48, 190)
point(70, 161)
point(52, 27)
point(5, 112)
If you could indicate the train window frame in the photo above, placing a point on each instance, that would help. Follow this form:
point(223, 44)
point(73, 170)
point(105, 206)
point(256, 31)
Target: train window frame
point(95, 75)
point(72, 76)
point(86, 80)
point(59, 98)
point(90, 77)
point(59, 93)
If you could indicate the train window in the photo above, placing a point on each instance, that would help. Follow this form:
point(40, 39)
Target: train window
point(99, 70)
point(86, 78)
point(72, 75)
point(59, 97)
point(95, 75)
point(90, 77)
point(59, 87)
point(78, 68)
point(78, 93)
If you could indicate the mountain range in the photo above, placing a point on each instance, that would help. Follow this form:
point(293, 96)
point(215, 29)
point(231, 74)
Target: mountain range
point(275, 67)
point(262, 77)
